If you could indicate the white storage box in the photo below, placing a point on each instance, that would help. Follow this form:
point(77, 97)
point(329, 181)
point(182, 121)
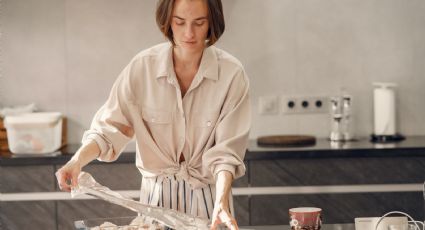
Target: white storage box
point(34, 132)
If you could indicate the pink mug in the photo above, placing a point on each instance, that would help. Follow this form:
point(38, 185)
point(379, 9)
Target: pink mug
point(305, 218)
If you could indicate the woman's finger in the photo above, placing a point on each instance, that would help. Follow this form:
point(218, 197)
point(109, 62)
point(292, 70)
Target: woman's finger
point(231, 224)
point(58, 175)
point(224, 216)
point(215, 222)
point(213, 225)
point(60, 178)
point(62, 181)
point(74, 179)
point(215, 219)
point(64, 186)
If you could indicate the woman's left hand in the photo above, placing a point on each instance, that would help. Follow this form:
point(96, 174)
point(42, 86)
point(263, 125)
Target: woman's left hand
point(221, 215)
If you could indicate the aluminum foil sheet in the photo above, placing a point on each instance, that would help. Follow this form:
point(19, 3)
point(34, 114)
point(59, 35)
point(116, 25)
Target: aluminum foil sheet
point(168, 217)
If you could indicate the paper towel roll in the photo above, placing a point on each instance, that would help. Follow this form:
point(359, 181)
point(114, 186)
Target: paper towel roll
point(384, 109)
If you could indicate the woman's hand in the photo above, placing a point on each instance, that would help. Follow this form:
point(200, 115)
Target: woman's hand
point(67, 176)
point(221, 215)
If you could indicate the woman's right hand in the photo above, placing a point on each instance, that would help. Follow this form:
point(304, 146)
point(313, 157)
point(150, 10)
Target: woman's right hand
point(67, 176)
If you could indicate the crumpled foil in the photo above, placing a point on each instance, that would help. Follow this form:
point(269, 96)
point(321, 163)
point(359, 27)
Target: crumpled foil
point(168, 217)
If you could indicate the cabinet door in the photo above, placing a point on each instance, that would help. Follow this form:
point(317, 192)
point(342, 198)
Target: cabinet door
point(27, 215)
point(15, 179)
point(116, 176)
point(337, 171)
point(337, 208)
point(241, 205)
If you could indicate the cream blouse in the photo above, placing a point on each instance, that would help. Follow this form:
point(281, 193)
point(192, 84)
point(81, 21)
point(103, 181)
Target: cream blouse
point(209, 125)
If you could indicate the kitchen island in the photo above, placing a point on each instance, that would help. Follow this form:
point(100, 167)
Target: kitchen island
point(346, 180)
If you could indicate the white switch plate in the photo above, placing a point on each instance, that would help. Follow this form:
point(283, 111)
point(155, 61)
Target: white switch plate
point(268, 105)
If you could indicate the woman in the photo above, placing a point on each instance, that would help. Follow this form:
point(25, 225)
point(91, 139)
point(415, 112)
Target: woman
point(186, 104)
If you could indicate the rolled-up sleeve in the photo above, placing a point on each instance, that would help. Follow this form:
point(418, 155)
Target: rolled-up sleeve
point(232, 131)
point(112, 126)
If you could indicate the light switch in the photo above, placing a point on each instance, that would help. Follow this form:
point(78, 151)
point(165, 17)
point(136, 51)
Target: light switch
point(268, 105)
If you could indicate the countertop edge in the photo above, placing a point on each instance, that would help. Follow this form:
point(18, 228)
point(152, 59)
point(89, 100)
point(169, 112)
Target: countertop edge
point(413, 146)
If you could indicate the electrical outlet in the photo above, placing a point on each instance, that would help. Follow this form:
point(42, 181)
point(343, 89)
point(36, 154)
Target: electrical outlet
point(290, 105)
point(268, 105)
point(305, 104)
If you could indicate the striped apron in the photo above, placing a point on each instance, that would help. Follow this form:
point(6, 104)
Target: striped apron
point(169, 191)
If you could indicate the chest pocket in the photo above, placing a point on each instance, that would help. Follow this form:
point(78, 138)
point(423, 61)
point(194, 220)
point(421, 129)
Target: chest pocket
point(156, 117)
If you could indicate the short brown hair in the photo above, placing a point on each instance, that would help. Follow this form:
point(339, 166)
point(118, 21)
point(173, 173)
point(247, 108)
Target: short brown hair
point(216, 26)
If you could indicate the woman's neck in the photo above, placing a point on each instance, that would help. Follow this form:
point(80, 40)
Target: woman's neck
point(186, 60)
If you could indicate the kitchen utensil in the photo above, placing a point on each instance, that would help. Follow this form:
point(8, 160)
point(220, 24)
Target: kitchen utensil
point(384, 109)
point(305, 218)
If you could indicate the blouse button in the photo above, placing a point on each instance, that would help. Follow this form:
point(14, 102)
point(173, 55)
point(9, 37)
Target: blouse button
point(153, 120)
point(209, 123)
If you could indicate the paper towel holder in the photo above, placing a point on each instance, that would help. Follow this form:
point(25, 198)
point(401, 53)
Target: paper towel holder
point(384, 110)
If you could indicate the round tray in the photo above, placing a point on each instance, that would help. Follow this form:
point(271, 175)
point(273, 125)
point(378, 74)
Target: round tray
point(286, 141)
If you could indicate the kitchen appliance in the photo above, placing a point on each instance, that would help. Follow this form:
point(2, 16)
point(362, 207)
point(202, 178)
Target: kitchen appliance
point(336, 122)
point(341, 107)
point(369, 223)
point(384, 110)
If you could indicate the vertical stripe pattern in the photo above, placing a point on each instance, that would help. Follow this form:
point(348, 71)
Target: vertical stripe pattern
point(169, 192)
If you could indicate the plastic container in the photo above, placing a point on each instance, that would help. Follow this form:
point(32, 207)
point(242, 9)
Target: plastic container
point(34, 133)
point(117, 223)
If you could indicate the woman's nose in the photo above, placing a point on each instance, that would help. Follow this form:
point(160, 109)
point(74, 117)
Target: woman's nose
point(188, 33)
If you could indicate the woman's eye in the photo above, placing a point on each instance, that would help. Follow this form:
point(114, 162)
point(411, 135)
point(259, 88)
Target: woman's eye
point(179, 22)
point(200, 23)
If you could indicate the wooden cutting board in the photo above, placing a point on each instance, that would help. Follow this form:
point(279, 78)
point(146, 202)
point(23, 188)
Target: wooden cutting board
point(286, 140)
point(3, 134)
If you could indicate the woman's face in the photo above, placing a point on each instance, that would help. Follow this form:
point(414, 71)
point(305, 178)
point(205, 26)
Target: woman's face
point(190, 24)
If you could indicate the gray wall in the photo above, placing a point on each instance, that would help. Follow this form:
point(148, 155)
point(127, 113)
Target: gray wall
point(65, 54)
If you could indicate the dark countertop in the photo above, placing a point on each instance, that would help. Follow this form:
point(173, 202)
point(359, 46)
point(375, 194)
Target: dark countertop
point(410, 147)
point(57, 158)
point(362, 147)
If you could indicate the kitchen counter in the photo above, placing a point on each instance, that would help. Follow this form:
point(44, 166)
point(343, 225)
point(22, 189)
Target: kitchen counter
point(371, 179)
point(57, 158)
point(411, 147)
point(286, 227)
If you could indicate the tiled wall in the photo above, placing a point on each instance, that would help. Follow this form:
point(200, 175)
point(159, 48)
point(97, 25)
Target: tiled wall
point(65, 54)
